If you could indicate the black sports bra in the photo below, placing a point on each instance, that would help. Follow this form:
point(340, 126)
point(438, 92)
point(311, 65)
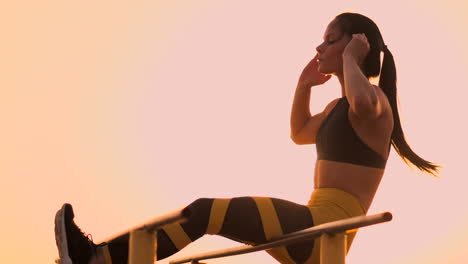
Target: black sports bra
point(336, 140)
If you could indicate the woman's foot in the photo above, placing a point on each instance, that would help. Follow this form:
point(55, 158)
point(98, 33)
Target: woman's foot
point(73, 246)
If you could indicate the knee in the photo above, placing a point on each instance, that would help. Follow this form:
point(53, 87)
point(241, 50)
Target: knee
point(200, 204)
point(200, 208)
point(199, 214)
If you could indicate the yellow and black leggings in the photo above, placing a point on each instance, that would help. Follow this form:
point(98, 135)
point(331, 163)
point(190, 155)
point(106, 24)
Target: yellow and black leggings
point(251, 220)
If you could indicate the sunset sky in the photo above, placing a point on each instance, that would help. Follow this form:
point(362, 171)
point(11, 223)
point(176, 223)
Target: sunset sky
point(131, 109)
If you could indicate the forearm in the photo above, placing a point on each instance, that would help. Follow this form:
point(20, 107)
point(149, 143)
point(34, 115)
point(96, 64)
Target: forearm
point(300, 112)
point(358, 88)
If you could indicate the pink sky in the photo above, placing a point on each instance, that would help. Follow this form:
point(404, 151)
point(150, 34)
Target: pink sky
point(131, 109)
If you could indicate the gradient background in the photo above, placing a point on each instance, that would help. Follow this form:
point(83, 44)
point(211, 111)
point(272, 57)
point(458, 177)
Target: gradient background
point(130, 109)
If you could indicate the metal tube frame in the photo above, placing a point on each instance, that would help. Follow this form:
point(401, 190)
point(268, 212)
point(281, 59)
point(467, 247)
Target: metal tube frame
point(142, 241)
point(332, 233)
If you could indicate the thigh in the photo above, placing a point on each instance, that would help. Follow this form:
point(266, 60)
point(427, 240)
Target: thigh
point(255, 220)
point(294, 217)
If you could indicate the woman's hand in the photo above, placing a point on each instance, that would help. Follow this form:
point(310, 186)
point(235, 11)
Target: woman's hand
point(357, 48)
point(310, 75)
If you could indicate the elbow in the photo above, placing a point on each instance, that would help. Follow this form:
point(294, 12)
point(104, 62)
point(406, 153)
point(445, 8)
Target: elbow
point(294, 138)
point(297, 140)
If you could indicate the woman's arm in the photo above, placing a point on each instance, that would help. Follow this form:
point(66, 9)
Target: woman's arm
point(362, 96)
point(300, 112)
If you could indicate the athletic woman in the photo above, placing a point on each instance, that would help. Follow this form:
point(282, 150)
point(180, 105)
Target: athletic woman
point(353, 136)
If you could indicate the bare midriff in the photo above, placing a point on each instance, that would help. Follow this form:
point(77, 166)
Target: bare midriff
point(358, 180)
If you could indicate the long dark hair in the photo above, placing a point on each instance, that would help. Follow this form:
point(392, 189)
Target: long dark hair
point(353, 23)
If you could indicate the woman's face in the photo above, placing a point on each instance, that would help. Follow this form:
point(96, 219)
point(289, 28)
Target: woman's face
point(331, 49)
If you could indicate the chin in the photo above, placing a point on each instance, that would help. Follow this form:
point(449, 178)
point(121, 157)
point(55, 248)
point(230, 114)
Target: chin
point(324, 71)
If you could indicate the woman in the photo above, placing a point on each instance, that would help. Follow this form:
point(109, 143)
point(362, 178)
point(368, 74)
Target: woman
point(353, 135)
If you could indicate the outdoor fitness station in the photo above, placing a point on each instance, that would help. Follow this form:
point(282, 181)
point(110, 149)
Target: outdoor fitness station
point(142, 246)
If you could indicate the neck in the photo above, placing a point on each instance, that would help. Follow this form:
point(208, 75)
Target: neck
point(340, 76)
point(342, 83)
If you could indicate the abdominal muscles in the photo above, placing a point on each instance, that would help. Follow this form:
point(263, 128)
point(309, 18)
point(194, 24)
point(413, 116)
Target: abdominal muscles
point(358, 180)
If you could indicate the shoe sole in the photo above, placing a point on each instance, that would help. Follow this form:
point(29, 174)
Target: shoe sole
point(61, 236)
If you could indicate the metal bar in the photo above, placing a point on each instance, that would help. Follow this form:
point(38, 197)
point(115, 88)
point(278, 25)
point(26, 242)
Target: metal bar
point(178, 216)
point(333, 248)
point(142, 247)
point(306, 234)
point(175, 217)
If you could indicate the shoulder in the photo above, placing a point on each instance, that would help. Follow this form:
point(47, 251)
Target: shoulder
point(330, 106)
point(327, 110)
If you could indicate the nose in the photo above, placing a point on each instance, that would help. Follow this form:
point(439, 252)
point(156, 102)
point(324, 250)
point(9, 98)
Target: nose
point(319, 48)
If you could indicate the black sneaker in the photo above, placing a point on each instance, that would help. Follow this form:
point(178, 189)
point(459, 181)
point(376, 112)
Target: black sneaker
point(73, 245)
